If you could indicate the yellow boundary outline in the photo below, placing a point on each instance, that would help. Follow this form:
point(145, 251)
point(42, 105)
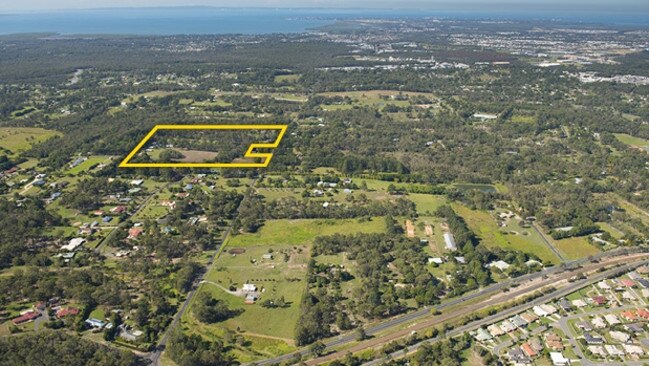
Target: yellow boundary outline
point(249, 153)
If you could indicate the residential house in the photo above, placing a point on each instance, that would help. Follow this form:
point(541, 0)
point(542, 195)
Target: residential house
point(518, 321)
point(603, 285)
point(536, 344)
point(579, 303)
point(565, 305)
point(553, 342)
point(619, 336)
point(599, 300)
point(507, 326)
point(73, 244)
point(549, 309)
point(599, 323)
point(597, 351)
point(558, 359)
point(495, 330)
point(628, 296)
point(129, 334)
point(585, 325)
point(118, 209)
point(529, 351)
point(629, 315)
point(95, 323)
point(634, 328)
point(593, 339)
point(632, 349)
point(26, 317)
point(500, 264)
point(529, 317)
point(134, 232)
point(539, 311)
point(482, 335)
point(63, 312)
point(613, 350)
point(612, 319)
point(644, 314)
point(627, 282)
point(518, 356)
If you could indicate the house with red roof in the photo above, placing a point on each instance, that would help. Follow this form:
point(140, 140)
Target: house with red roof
point(63, 312)
point(529, 351)
point(28, 316)
point(600, 300)
point(627, 282)
point(134, 232)
point(643, 313)
point(629, 315)
point(118, 209)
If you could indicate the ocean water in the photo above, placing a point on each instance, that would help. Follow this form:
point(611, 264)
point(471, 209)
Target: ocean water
point(209, 20)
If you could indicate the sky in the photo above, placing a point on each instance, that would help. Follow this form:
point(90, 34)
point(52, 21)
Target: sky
point(626, 6)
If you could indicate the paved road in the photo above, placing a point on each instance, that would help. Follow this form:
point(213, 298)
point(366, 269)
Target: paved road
point(563, 324)
point(548, 244)
point(517, 309)
point(425, 311)
point(135, 212)
point(162, 343)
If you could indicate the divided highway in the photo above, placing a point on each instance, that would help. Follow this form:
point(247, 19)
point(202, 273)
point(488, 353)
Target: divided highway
point(424, 312)
point(519, 308)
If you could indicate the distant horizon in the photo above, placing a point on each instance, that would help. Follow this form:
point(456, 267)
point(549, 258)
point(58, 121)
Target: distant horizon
point(577, 6)
point(207, 19)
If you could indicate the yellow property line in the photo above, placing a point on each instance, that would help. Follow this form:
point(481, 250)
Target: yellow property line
point(249, 153)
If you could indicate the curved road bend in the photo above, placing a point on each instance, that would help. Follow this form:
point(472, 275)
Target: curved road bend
point(519, 308)
point(425, 311)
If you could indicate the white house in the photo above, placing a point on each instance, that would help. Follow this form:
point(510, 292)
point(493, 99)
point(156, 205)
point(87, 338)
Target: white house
point(73, 244)
point(558, 359)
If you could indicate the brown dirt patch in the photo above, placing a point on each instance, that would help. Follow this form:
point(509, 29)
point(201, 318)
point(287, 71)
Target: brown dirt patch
point(410, 229)
point(236, 251)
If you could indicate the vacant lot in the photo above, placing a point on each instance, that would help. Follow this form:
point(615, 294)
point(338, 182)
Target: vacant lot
point(17, 139)
point(510, 237)
point(632, 140)
point(296, 232)
point(574, 248)
point(91, 162)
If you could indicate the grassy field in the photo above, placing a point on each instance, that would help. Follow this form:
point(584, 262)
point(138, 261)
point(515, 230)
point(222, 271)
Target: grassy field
point(17, 139)
point(427, 202)
point(295, 232)
point(632, 140)
point(373, 98)
point(519, 118)
point(287, 78)
point(89, 163)
point(510, 237)
point(269, 331)
point(574, 248)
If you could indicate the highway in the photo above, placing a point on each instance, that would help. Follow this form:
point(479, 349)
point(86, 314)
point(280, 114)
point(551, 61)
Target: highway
point(425, 312)
point(572, 287)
